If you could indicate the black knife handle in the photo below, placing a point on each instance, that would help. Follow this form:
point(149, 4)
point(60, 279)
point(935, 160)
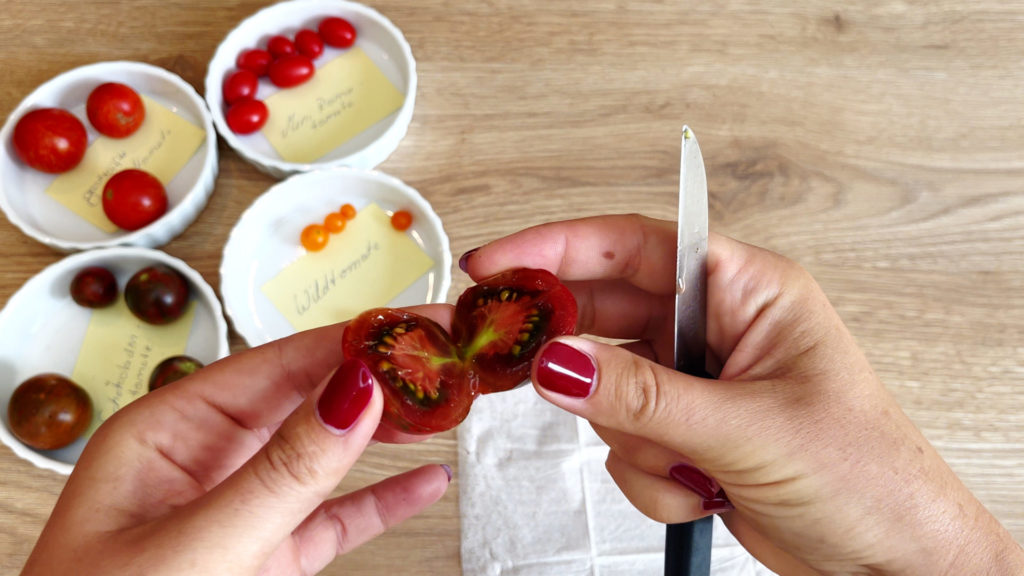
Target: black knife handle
point(688, 548)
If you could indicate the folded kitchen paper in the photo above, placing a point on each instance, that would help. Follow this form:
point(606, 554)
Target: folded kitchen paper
point(536, 500)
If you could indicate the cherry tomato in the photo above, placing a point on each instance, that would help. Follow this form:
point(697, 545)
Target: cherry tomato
point(290, 70)
point(254, 60)
point(94, 287)
point(115, 110)
point(240, 85)
point(48, 411)
point(133, 199)
point(430, 378)
point(247, 116)
point(309, 44)
point(337, 32)
point(173, 369)
point(280, 46)
point(314, 237)
point(348, 211)
point(334, 222)
point(401, 220)
point(157, 294)
point(51, 140)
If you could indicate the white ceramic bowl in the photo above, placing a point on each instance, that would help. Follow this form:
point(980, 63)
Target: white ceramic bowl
point(38, 215)
point(381, 40)
point(42, 330)
point(266, 239)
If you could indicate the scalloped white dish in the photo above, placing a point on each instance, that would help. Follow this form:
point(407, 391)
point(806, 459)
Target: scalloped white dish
point(266, 240)
point(42, 330)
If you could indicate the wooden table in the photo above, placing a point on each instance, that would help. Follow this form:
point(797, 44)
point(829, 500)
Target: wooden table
point(879, 144)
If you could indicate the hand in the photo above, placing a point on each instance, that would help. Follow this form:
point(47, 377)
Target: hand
point(229, 471)
point(825, 472)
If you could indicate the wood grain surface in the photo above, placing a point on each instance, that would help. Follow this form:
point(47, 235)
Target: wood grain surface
point(878, 143)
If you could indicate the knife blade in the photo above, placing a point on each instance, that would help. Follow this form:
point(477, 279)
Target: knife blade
point(688, 545)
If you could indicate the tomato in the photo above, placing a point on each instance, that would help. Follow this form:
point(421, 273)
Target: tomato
point(173, 369)
point(290, 70)
point(309, 44)
point(334, 222)
point(348, 211)
point(94, 287)
point(430, 378)
point(401, 220)
point(48, 411)
point(157, 294)
point(280, 46)
point(247, 116)
point(133, 199)
point(115, 110)
point(240, 85)
point(254, 60)
point(314, 237)
point(337, 32)
point(51, 140)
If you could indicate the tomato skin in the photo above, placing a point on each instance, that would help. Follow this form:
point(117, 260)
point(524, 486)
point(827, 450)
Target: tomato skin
point(247, 116)
point(115, 110)
point(240, 85)
point(348, 211)
point(157, 294)
point(254, 60)
point(173, 369)
point(133, 199)
point(291, 70)
point(51, 140)
point(401, 220)
point(335, 222)
point(49, 411)
point(309, 44)
point(94, 287)
point(314, 237)
point(337, 32)
point(279, 46)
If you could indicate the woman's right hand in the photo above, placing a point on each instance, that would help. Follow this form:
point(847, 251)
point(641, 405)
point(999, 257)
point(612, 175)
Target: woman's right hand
point(825, 472)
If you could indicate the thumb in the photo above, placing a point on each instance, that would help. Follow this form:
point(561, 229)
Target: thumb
point(616, 389)
point(296, 470)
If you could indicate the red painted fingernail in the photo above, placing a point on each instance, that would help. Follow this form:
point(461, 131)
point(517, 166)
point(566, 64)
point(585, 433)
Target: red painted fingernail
point(346, 396)
point(697, 481)
point(565, 370)
point(716, 505)
point(447, 470)
point(464, 260)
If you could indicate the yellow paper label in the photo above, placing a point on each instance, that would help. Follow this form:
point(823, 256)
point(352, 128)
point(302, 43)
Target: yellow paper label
point(162, 145)
point(119, 354)
point(344, 97)
point(364, 266)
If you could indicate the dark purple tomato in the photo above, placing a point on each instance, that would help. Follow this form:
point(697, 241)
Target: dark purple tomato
point(337, 32)
point(157, 294)
point(280, 46)
point(254, 60)
point(247, 116)
point(291, 70)
point(240, 85)
point(48, 411)
point(173, 369)
point(94, 287)
point(309, 44)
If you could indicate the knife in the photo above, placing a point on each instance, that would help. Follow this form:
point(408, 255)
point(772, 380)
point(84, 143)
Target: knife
point(688, 545)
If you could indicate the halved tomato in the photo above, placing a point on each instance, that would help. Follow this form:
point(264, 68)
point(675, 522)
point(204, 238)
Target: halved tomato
point(430, 379)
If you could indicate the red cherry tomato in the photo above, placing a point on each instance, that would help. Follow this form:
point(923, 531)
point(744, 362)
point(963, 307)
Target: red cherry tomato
point(291, 70)
point(280, 46)
point(133, 199)
point(309, 44)
point(115, 110)
point(157, 294)
point(337, 32)
point(314, 237)
point(247, 116)
point(51, 140)
point(254, 60)
point(240, 85)
point(401, 220)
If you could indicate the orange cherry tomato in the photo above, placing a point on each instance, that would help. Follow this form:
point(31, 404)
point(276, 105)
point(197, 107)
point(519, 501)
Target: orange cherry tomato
point(348, 211)
point(401, 220)
point(334, 222)
point(314, 237)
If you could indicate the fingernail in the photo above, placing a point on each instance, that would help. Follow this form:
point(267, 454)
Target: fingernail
point(697, 481)
point(566, 370)
point(346, 396)
point(464, 260)
point(717, 505)
point(448, 471)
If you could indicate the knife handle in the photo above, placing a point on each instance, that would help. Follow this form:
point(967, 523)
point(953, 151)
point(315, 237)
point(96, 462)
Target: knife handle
point(688, 548)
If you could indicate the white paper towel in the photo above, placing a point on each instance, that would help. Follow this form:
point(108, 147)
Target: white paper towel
point(536, 500)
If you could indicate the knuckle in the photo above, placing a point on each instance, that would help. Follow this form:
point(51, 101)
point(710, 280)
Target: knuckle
point(289, 462)
point(639, 386)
